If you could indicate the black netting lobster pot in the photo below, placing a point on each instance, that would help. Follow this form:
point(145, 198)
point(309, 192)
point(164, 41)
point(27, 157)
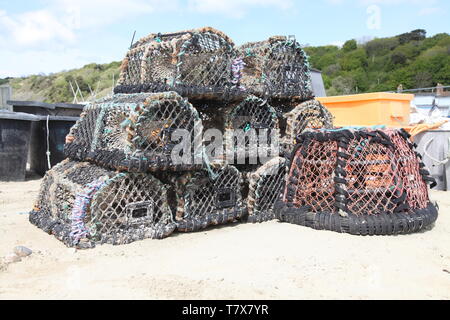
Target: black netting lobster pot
point(307, 115)
point(265, 188)
point(138, 133)
point(209, 197)
point(83, 205)
point(277, 67)
point(195, 63)
point(362, 182)
point(252, 129)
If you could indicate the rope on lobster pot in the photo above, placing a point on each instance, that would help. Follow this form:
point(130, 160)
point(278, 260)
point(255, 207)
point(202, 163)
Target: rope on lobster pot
point(80, 207)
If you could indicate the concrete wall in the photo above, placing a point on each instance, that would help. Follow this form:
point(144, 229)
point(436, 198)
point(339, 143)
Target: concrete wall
point(5, 95)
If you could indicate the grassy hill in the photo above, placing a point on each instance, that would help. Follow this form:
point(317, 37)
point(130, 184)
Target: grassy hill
point(56, 87)
point(410, 59)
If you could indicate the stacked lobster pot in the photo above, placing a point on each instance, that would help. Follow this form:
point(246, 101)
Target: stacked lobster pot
point(258, 96)
point(195, 135)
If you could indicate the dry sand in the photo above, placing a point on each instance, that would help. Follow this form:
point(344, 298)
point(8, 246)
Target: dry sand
point(242, 261)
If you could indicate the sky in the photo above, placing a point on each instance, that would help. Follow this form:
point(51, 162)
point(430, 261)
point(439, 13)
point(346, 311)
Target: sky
point(46, 36)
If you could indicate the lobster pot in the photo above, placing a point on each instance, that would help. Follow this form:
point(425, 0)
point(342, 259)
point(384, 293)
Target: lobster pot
point(363, 182)
point(83, 205)
point(252, 130)
point(277, 67)
point(138, 133)
point(265, 188)
point(208, 198)
point(307, 115)
point(195, 63)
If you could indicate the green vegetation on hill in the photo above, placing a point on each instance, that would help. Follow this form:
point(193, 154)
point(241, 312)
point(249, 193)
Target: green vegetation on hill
point(56, 87)
point(410, 59)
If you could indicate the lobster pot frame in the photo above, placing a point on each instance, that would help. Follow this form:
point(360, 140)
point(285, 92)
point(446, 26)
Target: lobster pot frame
point(136, 133)
point(249, 122)
point(208, 198)
point(195, 63)
point(307, 115)
point(276, 68)
point(265, 188)
point(84, 205)
point(363, 182)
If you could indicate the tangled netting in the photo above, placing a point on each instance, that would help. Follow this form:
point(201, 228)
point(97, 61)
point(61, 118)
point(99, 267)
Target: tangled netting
point(363, 182)
point(209, 198)
point(251, 125)
point(204, 64)
point(265, 188)
point(307, 115)
point(84, 205)
point(135, 132)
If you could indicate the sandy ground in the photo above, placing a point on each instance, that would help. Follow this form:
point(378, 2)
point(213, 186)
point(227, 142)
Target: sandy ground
point(242, 261)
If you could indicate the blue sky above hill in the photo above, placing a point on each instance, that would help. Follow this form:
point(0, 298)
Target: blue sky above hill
point(44, 36)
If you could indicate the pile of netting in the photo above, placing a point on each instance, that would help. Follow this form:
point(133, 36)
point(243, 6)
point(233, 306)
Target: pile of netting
point(362, 182)
point(204, 64)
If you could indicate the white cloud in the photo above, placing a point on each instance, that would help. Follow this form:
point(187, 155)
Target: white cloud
point(61, 19)
point(93, 13)
point(48, 39)
point(34, 27)
point(235, 8)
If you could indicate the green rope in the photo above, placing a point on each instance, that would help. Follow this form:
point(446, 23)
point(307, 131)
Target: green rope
point(211, 173)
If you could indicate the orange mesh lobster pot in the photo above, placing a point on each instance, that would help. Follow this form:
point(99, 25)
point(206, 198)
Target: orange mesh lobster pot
point(362, 182)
